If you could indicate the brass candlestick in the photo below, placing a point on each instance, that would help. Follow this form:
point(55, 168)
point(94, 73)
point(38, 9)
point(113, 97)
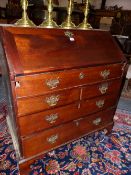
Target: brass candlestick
point(24, 21)
point(68, 24)
point(85, 25)
point(49, 23)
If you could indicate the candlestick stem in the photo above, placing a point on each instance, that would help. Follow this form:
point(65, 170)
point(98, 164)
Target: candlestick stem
point(68, 24)
point(24, 21)
point(49, 22)
point(85, 25)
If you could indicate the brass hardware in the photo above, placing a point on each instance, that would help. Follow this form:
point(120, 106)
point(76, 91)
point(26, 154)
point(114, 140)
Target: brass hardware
point(70, 35)
point(52, 83)
point(52, 139)
point(77, 123)
point(51, 118)
point(100, 103)
point(103, 88)
point(81, 75)
point(97, 121)
point(49, 22)
point(85, 25)
point(17, 84)
point(24, 21)
point(68, 24)
point(105, 73)
point(52, 101)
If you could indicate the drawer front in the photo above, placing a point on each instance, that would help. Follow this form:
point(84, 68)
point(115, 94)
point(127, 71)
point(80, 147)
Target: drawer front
point(54, 137)
point(104, 88)
point(49, 118)
point(98, 104)
point(43, 120)
point(42, 83)
point(48, 101)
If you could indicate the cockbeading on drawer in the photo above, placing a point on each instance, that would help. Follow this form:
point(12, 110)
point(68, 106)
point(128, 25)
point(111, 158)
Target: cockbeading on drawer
point(47, 82)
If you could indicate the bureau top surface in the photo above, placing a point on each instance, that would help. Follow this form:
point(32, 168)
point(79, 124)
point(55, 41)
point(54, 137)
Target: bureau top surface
point(35, 50)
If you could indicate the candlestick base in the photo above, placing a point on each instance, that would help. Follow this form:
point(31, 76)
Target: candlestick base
point(68, 24)
point(25, 22)
point(84, 26)
point(49, 24)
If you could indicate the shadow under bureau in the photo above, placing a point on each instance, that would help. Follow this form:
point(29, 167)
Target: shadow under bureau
point(60, 85)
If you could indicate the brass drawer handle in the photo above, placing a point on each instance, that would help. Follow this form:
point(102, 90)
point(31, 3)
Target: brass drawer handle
point(103, 88)
point(52, 139)
point(100, 103)
point(51, 118)
point(97, 121)
point(81, 75)
point(52, 83)
point(70, 35)
point(105, 73)
point(52, 101)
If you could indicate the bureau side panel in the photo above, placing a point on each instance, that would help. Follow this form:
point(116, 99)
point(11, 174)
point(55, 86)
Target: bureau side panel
point(10, 100)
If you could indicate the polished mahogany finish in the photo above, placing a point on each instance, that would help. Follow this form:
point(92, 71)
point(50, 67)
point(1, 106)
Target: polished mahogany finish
point(29, 124)
point(56, 81)
point(102, 88)
point(39, 83)
point(47, 101)
point(39, 50)
point(53, 137)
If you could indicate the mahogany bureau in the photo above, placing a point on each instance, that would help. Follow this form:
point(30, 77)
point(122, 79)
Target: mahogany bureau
point(60, 85)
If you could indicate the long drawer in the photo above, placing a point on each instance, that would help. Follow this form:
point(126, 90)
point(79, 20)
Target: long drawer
point(42, 83)
point(56, 136)
point(46, 119)
point(48, 101)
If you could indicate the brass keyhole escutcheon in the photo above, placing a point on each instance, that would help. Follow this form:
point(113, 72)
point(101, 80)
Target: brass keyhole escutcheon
point(81, 76)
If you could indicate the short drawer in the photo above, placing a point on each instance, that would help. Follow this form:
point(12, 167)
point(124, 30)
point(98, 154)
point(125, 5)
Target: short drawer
point(104, 88)
point(46, 82)
point(54, 137)
point(98, 104)
point(48, 101)
point(47, 119)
